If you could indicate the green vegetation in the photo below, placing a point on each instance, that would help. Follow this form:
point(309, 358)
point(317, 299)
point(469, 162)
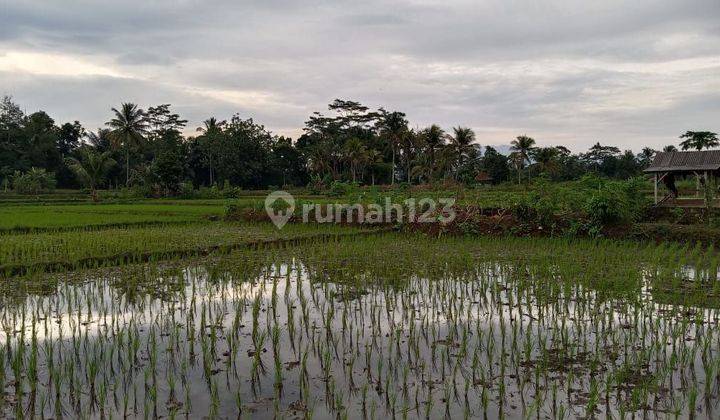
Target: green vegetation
point(180, 308)
point(19, 218)
point(390, 324)
point(91, 168)
point(76, 249)
point(351, 144)
point(33, 181)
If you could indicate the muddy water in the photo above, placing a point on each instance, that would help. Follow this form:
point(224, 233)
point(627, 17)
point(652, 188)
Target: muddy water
point(491, 342)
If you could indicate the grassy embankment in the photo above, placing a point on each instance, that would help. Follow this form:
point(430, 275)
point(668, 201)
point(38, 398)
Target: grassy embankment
point(51, 237)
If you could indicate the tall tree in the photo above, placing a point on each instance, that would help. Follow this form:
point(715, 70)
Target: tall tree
point(69, 137)
point(352, 113)
point(522, 147)
point(350, 119)
point(646, 156)
point(356, 155)
point(161, 119)
point(246, 153)
point(392, 127)
point(412, 145)
point(699, 140)
point(462, 142)
point(168, 165)
point(518, 162)
point(423, 168)
point(601, 158)
point(10, 113)
point(434, 137)
point(99, 139)
point(210, 140)
point(129, 127)
point(495, 164)
point(287, 163)
point(39, 142)
point(546, 159)
point(11, 120)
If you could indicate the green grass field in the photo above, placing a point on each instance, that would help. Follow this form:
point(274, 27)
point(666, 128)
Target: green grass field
point(166, 303)
point(72, 246)
point(54, 216)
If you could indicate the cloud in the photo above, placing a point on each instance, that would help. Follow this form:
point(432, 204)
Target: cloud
point(559, 70)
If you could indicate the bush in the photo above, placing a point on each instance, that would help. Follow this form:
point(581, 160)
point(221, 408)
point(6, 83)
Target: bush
point(34, 181)
point(589, 206)
point(605, 209)
point(539, 209)
point(231, 192)
point(404, 186)
point(339, 189)
point(615, 203)
point(187, 190)
point(317, 184)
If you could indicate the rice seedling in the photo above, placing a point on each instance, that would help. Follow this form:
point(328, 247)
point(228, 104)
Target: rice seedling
point(27, 254)
point(51, 217)
point(386, 325)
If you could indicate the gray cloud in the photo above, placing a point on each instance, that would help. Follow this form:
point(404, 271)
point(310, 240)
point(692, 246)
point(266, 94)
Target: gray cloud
point(563, 71)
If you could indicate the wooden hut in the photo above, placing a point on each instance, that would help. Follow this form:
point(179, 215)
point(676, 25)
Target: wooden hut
point(668, 165)
point(483, 177)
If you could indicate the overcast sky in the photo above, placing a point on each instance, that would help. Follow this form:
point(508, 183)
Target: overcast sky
point(626, 73)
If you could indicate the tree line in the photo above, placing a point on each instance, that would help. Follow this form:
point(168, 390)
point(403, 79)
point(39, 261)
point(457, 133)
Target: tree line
point(146, 149)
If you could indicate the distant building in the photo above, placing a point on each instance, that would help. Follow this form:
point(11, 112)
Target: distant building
point(483, 178)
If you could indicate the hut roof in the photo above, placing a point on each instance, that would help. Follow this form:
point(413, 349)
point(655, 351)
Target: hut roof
point(483, 176)
point(706, 160)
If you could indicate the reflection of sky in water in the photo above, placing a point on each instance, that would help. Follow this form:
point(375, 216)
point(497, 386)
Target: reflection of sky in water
point(428, 330)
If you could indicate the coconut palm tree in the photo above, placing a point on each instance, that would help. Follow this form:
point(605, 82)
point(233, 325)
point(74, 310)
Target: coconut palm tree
point(422, 168)
point(518, 162)
point(523, 147)
point(699, 140)
point(375, 159)
point(91, 168)
point(356, 155)
point(462, 142)
point(129, 128)
point(393, 127)
point(99, 139)
point(670, 148)
point(434, 138)
point(546, 159)
point(318, 160)
point(413, 143)
point(646, 155)
point(212, 129)
point(445, 161)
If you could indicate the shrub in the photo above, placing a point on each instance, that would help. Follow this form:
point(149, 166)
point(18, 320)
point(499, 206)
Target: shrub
point(187, 190)
point(588, 206)
point(33, 181)
point(317, 184)
point(339, 189)
point(231, 192)
point(615, 203)
point(604, 208)
point(404, 186)
point(537, 208)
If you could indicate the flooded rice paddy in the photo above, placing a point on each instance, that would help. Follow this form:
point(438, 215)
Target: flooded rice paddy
point(376, 328)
